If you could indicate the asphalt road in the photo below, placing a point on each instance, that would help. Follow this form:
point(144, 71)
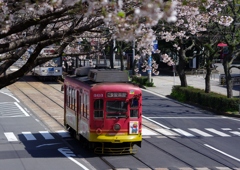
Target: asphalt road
point(191, 136)
point(182, 137)
point(27, 144)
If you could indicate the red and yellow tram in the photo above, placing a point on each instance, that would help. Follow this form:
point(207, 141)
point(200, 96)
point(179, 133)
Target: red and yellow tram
point(104, 111)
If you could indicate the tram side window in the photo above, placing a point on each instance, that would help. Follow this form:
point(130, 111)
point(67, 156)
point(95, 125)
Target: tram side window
point(71, 98)
point(83, 104)
point(74, 94)
point(98, 108)
point(72, 101)
point(87, 106)
point(67, 96)
point(134, 107)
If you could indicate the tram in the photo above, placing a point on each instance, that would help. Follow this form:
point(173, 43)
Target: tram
point(51, 70)
point(104, 111)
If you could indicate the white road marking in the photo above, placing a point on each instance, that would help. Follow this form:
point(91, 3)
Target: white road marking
point(231, 118)
point(184, 117)
point(46, 135)
point(235, 133)
point(200, 132)
point(217, 132)
point(11, 96)
point(63, 133)
point(10, 136)
point(156, 94)
point(21, 108)
point(222, 152)
point(223, 168)
point(167, 132)
point(49, 144)
point(28, 136)
point(226, 129)
point(64, 152)
point(182, 132)
point(146, 131)
point(163, 126)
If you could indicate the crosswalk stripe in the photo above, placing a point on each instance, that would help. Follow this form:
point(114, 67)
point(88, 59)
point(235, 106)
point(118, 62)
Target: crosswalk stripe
point(223, 168)
point(200, 132)
point(182, 132)
point(63, 133)
point(185, 168)
point(167, 132)
point(146, 131)
point(46, 135)
point(226, 129)
point(217, 132)
point(10, 136)
point(28, 136)
point(235, 133)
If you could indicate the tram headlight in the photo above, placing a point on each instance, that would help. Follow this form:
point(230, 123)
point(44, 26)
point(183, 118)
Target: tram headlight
point(116, 127)
point(56, 70)
point(99, 131)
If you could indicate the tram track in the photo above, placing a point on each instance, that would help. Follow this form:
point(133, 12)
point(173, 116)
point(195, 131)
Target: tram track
point(45, 93)
point(184, 145)
point(39, 98)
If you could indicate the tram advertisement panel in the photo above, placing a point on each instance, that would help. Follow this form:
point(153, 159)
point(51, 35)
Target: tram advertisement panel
point(133, 127)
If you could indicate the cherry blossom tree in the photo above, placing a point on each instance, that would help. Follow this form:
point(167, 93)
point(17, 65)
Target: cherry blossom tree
point(195, 20)
point(231, 36)
point(34, 24)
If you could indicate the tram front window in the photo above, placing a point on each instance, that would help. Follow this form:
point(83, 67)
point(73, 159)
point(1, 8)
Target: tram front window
point(116, 109)
point(56, 62)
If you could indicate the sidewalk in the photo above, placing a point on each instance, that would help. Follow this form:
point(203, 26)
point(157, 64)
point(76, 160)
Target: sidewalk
point(163, 84)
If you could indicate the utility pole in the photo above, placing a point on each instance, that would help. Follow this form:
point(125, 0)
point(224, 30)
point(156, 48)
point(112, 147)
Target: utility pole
point(114, 45)
point(149, 68)
point(133, 56)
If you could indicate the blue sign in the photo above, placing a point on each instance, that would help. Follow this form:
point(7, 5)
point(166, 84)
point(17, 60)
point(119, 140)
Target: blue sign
point(155, 45)
point(51, 70)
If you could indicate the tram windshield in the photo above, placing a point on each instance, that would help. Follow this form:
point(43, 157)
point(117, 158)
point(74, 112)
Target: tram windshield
point(116, 108)
point(56, 62)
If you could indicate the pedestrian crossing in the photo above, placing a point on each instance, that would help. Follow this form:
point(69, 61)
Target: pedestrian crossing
point(29, 136)
point(146, 133)
point(11, 109)
point(191, 132)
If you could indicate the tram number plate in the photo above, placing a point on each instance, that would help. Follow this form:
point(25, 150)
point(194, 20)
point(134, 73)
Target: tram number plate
point(97, 95)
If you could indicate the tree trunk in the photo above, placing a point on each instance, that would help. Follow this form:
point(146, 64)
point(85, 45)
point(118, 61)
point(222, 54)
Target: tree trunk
point(121, 58)
point(111, 55)
point(181, 71)
point(228, 79)
point(122, 65)
point(207, 80)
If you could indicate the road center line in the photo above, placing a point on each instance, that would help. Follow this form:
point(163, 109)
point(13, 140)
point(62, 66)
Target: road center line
point(222, 152)
point(64, 152)
point(155, 122)
point(185, 117)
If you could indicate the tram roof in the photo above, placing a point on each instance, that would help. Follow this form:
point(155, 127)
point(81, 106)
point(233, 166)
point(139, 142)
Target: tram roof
point(89, 75)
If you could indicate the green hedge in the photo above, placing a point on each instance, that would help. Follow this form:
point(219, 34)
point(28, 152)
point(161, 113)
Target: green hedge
point(143, 81)
point(214, 101)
